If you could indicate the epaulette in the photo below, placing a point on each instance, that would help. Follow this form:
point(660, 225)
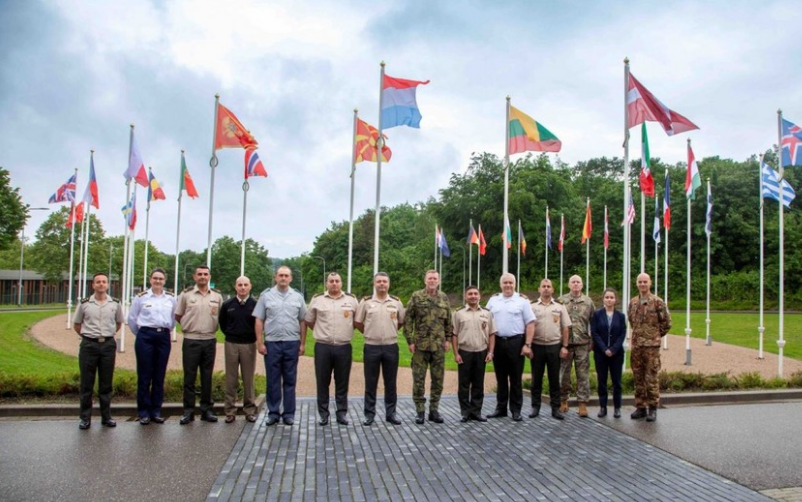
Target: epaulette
point(116, 300)
point(395, 298)
point(366, 298)
point(168, 292)
point(216, 291)
point(84, 300)
point(187, 290)
point(319, 294)
point(351, 295)
point(464, 307)
point(496, 294)
point(143, 293)
point(523, 296)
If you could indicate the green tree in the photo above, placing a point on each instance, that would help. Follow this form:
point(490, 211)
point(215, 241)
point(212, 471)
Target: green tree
point(226, 265)
point(50, 254)
point(13, 212)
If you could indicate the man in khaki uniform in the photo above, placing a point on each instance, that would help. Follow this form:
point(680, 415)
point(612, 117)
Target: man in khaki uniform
point(97, 319)
point(549, 345)
point(474, 341)
point(379, 317)
point(331, 317)
point(580, 344)
point(197, 310)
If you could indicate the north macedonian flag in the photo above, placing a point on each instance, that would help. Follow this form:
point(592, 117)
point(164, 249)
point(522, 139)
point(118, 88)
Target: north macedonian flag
point(528, 135)
point(229, 131)
point(366, 147)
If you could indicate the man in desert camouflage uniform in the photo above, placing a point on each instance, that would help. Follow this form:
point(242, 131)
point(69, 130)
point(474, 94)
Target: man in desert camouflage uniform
point(580, 307)
point(650, 321)
point(428, 333)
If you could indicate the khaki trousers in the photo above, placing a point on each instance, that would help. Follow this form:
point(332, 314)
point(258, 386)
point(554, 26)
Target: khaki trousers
point(240, 356)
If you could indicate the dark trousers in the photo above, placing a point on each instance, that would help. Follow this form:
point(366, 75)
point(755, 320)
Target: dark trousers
point(152, 350)
point(546, 357)
point(198, 354)
point(281, 367)
point(336, 359)
point(382, 358)
point(614, 366)
point(471, 378)
point(509, 365)
point(95, 357)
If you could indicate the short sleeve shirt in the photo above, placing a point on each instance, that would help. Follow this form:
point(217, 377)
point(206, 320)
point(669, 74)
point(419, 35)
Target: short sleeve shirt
point(473, 328)
point(199, 313)
point(282, 313)
point(153, 311)
point(98, 319)
point(552, 318)
point(511, 314)
point(381, 319)
point(333, 318)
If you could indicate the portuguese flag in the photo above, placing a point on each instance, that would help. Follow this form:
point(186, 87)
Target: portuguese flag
point(186, 180)
point(528, 135)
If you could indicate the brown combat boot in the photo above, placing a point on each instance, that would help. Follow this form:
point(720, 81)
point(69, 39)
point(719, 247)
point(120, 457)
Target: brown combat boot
point(583, 409)
point(564, 407)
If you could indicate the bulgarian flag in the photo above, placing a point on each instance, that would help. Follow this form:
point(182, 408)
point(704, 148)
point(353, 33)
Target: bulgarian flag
point(692, 178)
point(528, 135)
point(562, 232)
point(186, 180)
point(646, 179)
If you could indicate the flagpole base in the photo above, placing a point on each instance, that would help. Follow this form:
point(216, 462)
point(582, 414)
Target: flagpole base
point(688, 357)
point(708, 338)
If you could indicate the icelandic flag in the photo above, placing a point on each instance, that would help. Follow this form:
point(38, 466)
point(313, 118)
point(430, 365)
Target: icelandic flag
point(548, 229)
point(253, 164)
point(791, 144)
point(399, 105)
point(64, 193)
point(90, 195)
point(771, 186)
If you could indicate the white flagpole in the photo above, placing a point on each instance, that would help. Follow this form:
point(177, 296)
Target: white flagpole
point(213, 164)
point(688, 358)
point(379, 146)
point(606, 231)
point(147, 230)
point(505, 255)
point(178, 233)
point(470, 255)
point(665, 277)
point(562, 226)
point(518, 278)
point(72, 254)
point(708, 340)
point(761, 329)
point(546, 273)
point(126, 243)
point(479, 264)
point(88, 219)
point(781, 340)
point(626, 257)
point(642, 232)
point(82, 236)
point(656, 247)
point(587, 258)
point(245, 187)
point(351, 212)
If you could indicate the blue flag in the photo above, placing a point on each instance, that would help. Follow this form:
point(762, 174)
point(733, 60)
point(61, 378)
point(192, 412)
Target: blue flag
point(444, 245)
point(771, 186)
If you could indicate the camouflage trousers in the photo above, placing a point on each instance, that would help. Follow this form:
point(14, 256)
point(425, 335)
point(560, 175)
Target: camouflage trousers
point(435, 362)
point(645, 363)
point(578, 356)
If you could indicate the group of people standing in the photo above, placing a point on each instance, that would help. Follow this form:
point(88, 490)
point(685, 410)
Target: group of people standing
point(555, 334)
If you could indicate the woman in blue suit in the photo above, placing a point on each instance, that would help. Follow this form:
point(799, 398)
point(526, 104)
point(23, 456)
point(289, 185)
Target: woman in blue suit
point(609, 328)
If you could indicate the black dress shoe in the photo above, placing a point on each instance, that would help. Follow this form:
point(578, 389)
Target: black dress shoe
point(478, 418)
point(535, 413)
point(434, 416)
point(602, 413)
point(516, 417)
point(464, 419)
point(497, 414)
point(638, 414)
point(617, 413)
point(290, 420)
point(420, 418)
point(342, 420)
point(208, 416)
point(271, 421)
point(144, 420)
point(651, 416)
point(323, 421)
point(392, 419)
point(187, 418)
point(556, 413)
point(109, 422)
point(368, 421)
point(84, 424)
point(157, 420)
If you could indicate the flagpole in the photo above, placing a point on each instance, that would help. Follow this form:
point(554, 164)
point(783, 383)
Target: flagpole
point(760, 328)
point(245, 188)
point(642, 232)
point(518, 278)
point(213, 164)
point(470, 254)
point(708, 340)
point(688, 357)
point(548, 230)
point(605, 247)
point(126, 244)
point(505, 260)
point(562, 245)
point(479, 263)
point(81, 233)
point(88, 219)
point(72, 254)
point(379, 147)
point(147, 230)
point(351, 211)
point(781, 340)
point(656, 245)
point(665, 250)
point(587, 255)
point(178, 233)
point(436, 244)
point(626, 244)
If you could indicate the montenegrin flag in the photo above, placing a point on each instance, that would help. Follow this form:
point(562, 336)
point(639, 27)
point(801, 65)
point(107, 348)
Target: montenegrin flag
point(528, 135)
point(186, 180)
point(366, 146)
point(399, 102)
point(229, 131)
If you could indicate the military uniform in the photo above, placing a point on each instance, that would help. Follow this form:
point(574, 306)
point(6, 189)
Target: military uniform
point(381, 319)
point(552, 318)
point(333, 321)
point(199, 319)
point(97, 353)
point(473, 328)
point(650, 321)
point(428, 326)
point(580, 309)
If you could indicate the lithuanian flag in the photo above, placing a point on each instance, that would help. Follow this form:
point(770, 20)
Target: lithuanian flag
point(528, 135)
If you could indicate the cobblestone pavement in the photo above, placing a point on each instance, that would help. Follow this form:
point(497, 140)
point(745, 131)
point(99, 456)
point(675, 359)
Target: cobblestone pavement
point(502, 460)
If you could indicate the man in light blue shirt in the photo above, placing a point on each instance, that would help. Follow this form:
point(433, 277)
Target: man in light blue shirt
point(281, 331)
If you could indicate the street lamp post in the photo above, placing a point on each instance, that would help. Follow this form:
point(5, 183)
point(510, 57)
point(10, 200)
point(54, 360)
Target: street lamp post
point(324, 270)
point(462, 248)
point(111, 252)
point(22, 253)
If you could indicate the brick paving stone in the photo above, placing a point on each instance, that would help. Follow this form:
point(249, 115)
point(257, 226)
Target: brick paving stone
point(538, 459)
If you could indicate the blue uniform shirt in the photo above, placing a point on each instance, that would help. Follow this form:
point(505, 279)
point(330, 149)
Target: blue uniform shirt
point(152, 311)
point(281, 313)
point(511, 314)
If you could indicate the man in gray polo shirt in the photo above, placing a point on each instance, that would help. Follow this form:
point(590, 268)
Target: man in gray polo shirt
point(281, 330)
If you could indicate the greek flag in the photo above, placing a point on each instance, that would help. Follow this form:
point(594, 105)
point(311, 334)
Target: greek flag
point(771, 186)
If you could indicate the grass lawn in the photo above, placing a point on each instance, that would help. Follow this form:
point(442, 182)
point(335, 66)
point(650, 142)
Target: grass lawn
point(19, 354)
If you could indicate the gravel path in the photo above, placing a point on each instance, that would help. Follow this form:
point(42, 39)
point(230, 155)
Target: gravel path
point(717, 358)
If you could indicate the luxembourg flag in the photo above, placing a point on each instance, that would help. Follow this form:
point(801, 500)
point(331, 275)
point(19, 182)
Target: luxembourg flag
point(399, 105)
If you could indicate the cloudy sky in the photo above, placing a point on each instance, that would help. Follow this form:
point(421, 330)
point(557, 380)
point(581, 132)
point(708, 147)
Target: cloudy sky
point(75, 74)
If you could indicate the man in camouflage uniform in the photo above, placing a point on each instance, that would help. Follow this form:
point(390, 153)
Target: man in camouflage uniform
point(650, 321)
point(580, 344)
point(428, 333)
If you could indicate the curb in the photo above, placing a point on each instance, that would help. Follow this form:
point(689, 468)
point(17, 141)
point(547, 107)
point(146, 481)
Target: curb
point(704, 398)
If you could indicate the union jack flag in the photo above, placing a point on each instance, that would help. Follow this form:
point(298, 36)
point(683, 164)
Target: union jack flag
point(64, 193)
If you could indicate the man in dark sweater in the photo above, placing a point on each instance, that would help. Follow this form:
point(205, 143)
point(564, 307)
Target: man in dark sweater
point(237, 323)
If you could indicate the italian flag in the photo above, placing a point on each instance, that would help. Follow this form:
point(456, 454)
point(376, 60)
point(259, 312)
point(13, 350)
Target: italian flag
point(692, 178)
point(646, 178)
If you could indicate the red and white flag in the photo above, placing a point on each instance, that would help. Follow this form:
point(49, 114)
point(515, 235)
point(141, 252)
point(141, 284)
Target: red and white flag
point(643, 106)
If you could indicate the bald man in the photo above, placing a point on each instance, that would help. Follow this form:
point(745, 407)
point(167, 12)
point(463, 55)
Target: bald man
point(237, 324)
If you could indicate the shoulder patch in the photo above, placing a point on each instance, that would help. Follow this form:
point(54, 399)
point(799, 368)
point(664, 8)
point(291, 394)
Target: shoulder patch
point(395, 298)
point(216, 291)
point(142, 293)
point(351, 295)
point(523, 296)
point(84, 300)
point(116, 300)
point(187, 290)
point(366, 298)
point(465, 307)
point(319, 294)
point(168, 292)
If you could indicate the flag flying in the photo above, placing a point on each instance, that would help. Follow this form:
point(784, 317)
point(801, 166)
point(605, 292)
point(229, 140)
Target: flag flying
point(482, 242)
point(629, 219)
point(136, 166)
point(229, 131)
point(562, 233)
point(366, 146)
point(155, 191)
point(656, 231)
point(646, 179)
point(444, 245)
point(643, 106)
point(791, 144)
point(606, 230)
point(692, 178)
point(771, 186)
point(253, 164)
point(667, 205)
point(528, 135)
point(472, 237)
point(76, 214)
point(437, 237)
point(129, 211)
point(709, 218)
point(90, 195)
point(587, 228)
point(399, 105)
point(548, 230)
point(64, 193)
point(507, 233)
point(186, 180)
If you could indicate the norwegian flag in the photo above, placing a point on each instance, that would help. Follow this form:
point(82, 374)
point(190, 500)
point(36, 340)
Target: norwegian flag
point(64, 193)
